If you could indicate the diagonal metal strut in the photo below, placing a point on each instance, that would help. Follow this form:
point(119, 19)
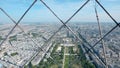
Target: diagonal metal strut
point(65, 24)
point(17, 22)
point(19, 27)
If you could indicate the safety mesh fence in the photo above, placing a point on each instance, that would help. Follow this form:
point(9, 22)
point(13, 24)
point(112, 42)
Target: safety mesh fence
point(37, 49)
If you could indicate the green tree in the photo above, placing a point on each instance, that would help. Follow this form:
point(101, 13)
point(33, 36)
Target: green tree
point(30, 65)
point(5, 54)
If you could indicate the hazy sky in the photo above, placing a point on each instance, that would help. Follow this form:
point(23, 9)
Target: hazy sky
point(63, 8)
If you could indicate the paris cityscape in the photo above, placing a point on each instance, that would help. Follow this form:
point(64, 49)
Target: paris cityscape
point(59, 34)
point(19, 50)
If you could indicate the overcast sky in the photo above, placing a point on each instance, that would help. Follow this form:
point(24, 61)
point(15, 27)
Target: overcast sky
point(63, 8)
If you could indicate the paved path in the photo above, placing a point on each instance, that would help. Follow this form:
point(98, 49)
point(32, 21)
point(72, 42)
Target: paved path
point(64, 58)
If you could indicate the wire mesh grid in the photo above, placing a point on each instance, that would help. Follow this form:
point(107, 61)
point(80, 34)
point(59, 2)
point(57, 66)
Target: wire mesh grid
point(90, 50)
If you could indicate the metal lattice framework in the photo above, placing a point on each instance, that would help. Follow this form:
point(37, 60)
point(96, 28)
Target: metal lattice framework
point(90, 50)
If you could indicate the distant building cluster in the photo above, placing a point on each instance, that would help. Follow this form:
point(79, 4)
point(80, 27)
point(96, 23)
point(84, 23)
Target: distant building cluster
point(19, 49)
